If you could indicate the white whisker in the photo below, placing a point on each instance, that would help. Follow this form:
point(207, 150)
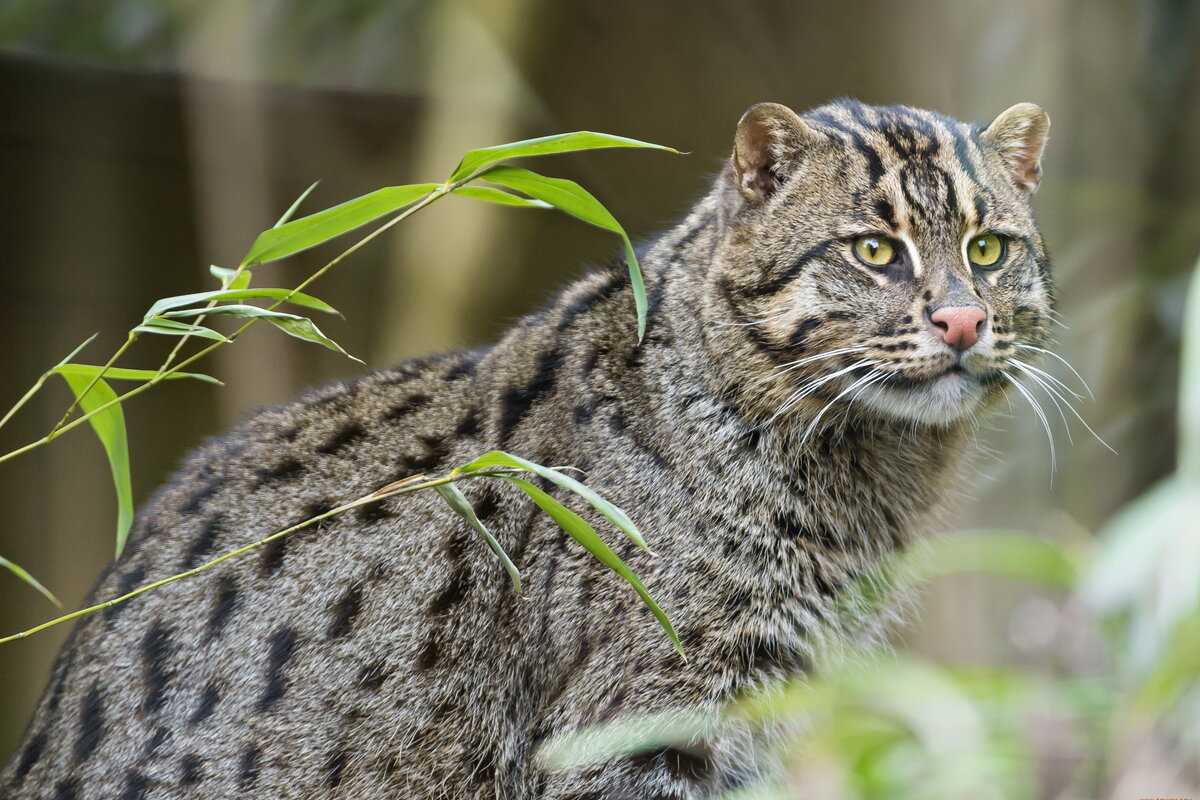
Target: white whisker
point(867, 379)
point(1050, 388)
point(1037, 409)
point(812, 386)
point(1054, 398)
point(783, 369)
point(1066, 363)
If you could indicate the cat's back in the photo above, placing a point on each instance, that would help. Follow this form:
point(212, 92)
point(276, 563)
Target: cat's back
point(274, 672)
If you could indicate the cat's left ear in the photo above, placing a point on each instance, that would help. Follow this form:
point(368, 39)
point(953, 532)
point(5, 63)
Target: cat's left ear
point(1019, 134)
point(770, 138)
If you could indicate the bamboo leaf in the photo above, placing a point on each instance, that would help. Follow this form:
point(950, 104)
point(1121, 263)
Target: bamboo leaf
point(475, 160)
point(292, 208)
point(304, 328)
point(583, 533)
point(457, 501)
point(499, 458)
point(71, 355)
point(32, 581)
point(1008, 553)
point(296, 298)
point(571, 198)
point(88, 371)
point(109, 426)
point(169, 327)
point(315, 229)
point(500, 197)
point(231, 278)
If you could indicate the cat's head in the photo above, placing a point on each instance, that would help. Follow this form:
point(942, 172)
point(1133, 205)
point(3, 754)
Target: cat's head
point(884, 256)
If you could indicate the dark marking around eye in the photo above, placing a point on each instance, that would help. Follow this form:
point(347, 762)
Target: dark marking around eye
point(156, 649)
point(208, 704)
point(190, 770)
point(980, 211)
point(248, 768)
point(788, 275)
point(137, 786)
point(886, 212)
point(204, 543)
point(91, 725)
point(406, 406)
point(282, 647)
point(344, 436)
point(518, 400)
point(345, 612)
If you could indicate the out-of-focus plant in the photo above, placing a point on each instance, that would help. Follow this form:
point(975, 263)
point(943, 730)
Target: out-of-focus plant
point(874, 725)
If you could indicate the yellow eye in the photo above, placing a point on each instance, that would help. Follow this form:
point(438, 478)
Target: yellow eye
point(986, 251)
point(875, 251)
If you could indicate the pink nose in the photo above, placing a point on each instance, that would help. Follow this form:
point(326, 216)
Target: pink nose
point(958, 325)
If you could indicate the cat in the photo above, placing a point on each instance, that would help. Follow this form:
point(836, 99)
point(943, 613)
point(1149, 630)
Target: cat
point(823, 327)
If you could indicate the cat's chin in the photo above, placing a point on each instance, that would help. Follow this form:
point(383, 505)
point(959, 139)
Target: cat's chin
point(945, 400)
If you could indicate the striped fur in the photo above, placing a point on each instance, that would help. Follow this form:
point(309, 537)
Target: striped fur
point(790, 418)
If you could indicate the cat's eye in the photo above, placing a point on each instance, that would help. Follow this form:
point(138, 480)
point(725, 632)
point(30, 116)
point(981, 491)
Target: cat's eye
point(875, 251)
point(986, 251)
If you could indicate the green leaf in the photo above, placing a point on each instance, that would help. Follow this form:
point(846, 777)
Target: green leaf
point(304, 328)
point(573, 199)
point(231, 278)
point(583, 533)
point(292, 208)
point(109, 426)
point(1011, 554)
point(89, 371)
point(32, 581)
point(457, 501)
point(319, 228)
point(499, 458)
point(294, 297)
point(474, 160)
point(169, 327)
point(499, 196)
point(606, 741)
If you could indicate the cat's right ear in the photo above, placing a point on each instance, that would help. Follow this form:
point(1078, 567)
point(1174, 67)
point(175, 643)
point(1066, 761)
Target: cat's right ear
point(770, 138)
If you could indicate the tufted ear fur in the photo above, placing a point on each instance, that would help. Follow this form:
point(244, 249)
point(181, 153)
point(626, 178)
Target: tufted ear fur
point(769, 139)
point(1019, 134)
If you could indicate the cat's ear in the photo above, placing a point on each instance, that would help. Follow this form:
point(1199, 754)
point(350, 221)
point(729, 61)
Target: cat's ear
point(769, 139)
point(1019, 134)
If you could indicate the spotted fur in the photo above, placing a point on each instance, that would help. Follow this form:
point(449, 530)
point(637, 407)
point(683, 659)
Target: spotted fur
point(792, 416)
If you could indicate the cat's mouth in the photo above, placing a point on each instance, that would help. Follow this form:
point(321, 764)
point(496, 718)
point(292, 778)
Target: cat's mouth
point(939, 395)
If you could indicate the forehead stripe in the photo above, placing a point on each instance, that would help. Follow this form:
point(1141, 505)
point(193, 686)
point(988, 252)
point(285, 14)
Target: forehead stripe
point(874, 162)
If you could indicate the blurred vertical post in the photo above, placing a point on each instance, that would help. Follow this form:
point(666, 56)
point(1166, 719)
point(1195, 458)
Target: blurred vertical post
point(231, 182)
point(475, 94)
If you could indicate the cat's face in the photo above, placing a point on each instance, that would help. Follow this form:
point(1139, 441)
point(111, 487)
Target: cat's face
point(888, 257)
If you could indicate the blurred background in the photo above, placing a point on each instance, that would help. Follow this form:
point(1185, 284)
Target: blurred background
point(142, 140)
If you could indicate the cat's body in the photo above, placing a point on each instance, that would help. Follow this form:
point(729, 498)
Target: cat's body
point(385, 655)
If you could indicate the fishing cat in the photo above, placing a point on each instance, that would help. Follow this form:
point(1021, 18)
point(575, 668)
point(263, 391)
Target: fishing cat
point(823, 326)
